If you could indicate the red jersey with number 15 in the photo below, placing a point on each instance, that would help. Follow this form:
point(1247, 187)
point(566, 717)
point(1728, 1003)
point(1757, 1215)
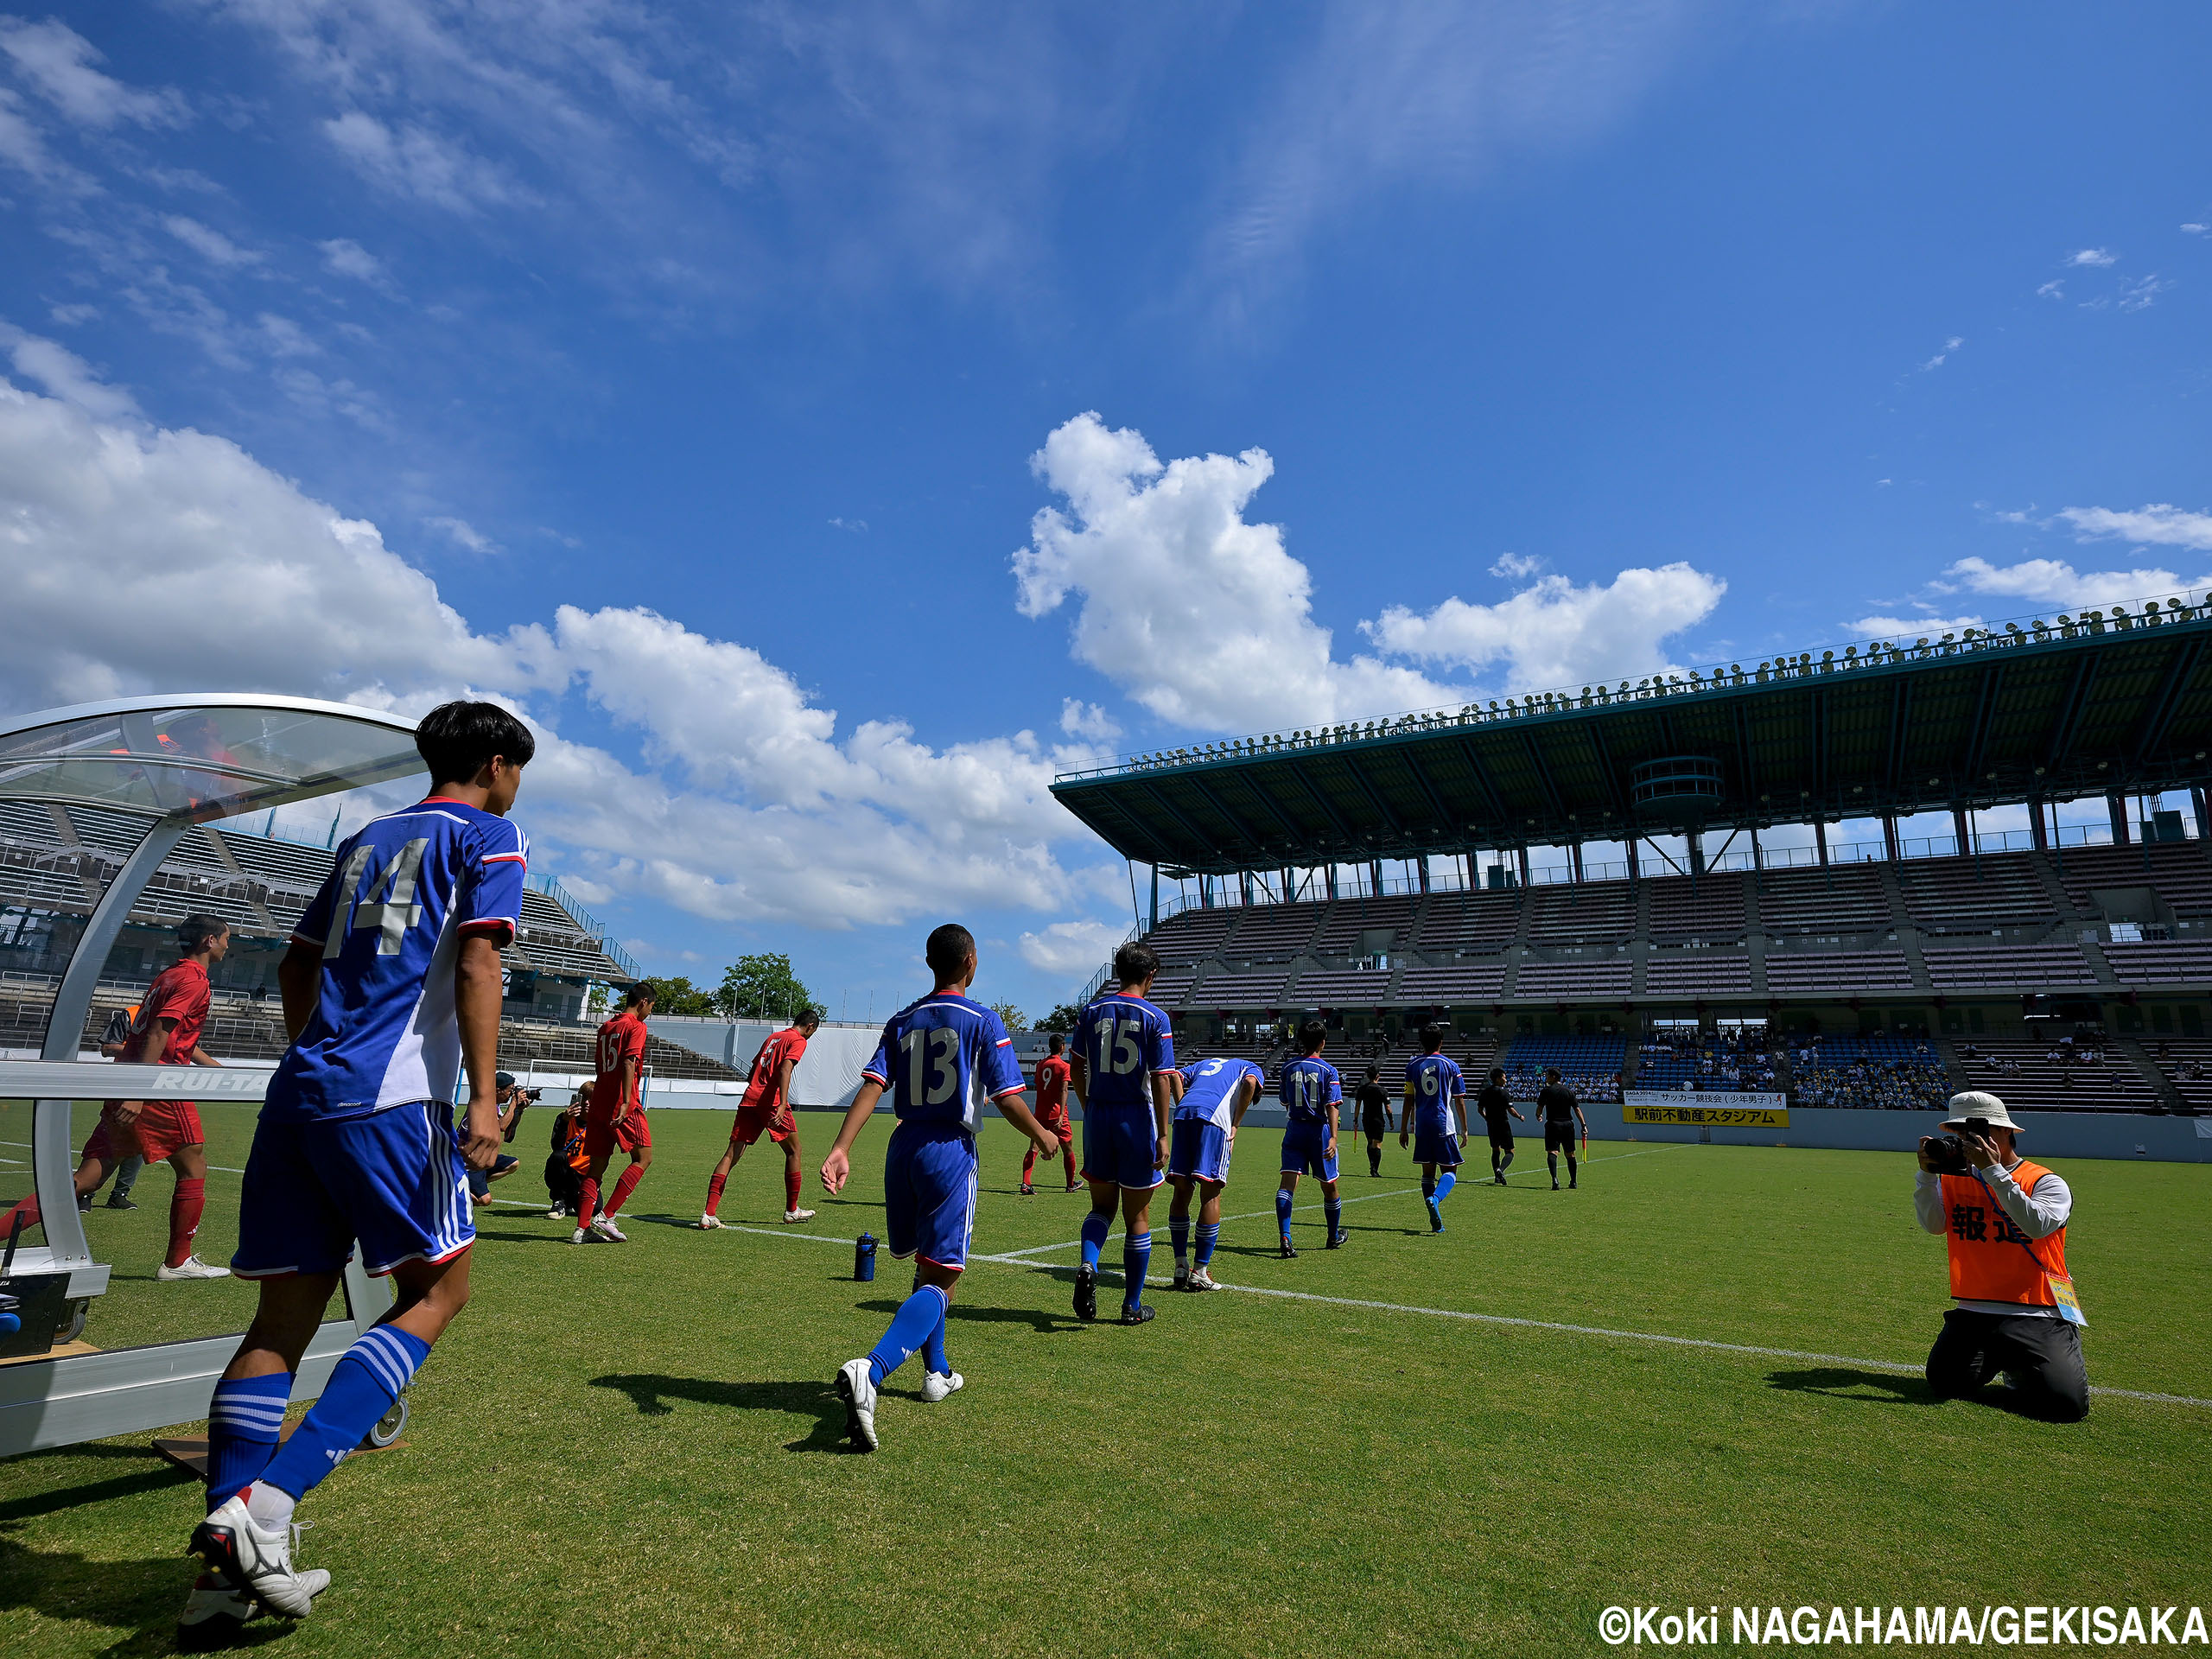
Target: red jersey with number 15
point(621, 1038)
point(762, 1093)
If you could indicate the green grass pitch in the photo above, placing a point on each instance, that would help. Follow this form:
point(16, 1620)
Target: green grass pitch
point(634, 1451)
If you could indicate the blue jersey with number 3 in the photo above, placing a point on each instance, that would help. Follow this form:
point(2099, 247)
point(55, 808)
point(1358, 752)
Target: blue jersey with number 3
point(389, 922)
point(1435, 1083)
point(1122, 1040)
point(942, 1058)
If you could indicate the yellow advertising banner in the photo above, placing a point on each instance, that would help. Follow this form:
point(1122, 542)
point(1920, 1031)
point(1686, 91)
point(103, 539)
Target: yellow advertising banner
point(1716, 1108)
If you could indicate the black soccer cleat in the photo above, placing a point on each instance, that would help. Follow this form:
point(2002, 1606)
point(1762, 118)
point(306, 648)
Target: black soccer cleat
point(1288, 1251)
point(120, 1201)
point(1338, 1239)
point(1135, 1313)
point(1086, 1292)
point(1028, 1190)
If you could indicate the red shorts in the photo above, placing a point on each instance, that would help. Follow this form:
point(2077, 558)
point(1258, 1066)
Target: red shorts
point(632, 1134)
point(162, 1125)
point(780, 1124)
point(1057, 1122)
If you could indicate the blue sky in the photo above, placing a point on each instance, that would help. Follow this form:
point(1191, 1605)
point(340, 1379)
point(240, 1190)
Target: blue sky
point(351, 345)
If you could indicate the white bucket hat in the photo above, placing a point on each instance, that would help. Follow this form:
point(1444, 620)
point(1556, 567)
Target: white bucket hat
point(1974, 1103)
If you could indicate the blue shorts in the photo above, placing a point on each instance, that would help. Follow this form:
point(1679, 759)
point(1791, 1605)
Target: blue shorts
point(1301, 1151)
point(929, 1193)
point(393, 1180)
point(1199, 1148)
point(1120, 1145)
point(1436, 1145)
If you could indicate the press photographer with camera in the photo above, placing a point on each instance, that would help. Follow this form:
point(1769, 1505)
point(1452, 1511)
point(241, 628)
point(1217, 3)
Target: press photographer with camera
point(2004, 1222)
point(511, 1098)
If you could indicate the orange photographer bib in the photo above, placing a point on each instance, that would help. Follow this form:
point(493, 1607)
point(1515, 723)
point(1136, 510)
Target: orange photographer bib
point(1987, 1261)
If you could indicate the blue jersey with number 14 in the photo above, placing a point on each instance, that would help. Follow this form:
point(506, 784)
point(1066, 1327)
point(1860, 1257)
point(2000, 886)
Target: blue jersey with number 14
point(389, 922)
point(1122, 1040)
point(942, 1058)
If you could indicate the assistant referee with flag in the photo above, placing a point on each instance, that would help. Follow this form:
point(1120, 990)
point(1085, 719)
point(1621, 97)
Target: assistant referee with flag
point(2004, 1222)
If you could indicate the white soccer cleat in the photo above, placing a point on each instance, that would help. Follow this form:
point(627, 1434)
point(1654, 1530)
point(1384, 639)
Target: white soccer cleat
point(799, 1215)
point(713, 1224)
point(1201, 1280)
point(858, 1392)
point(192, 1267)
point(556, 1211)
point(579, 1237)
point(213, 1614)
point(601, 1226)
point(257, 1561)
point(935, 1387)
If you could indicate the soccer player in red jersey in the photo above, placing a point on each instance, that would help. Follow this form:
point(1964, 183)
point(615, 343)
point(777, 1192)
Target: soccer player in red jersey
point(1053, 1074)
point(616, 1116)
point(166, 1031)
point(768, 1105)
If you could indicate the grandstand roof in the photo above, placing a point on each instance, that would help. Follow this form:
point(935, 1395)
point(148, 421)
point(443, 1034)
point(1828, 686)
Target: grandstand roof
point(2048, 710)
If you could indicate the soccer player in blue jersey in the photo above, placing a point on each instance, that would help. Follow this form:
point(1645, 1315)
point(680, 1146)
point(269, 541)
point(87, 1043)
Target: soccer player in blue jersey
point(390, 991)
point(1123, 1065)
point(1435, 1091)
point(940, 1059)
point(1216, 1095)
point(1312, 1095)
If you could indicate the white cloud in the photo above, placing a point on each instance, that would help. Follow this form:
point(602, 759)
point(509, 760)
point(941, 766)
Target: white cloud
point(2142, 293)
point(282, 337)
point(1554, 632)
point(2097, 256)
point(1088, 721)
point(1068, 948)
point(1950, 346)
point(1910, 628)
point(1203, 618)
point(65, 375)
point(343, 257)
point(409, 160)
point(2195, 229)
point(58, 61)
point(24, 148)
point(857, 526)
point(1514, 567)
point(2054, 581)
point(2160, 523)
point(750, 801)
point(70, 315)
point(2053, 290)
point(209, 243)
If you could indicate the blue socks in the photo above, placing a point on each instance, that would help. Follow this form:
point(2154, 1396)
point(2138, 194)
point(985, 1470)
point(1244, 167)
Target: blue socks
point(1282, 1210)
point(1208, 1237)
point(365, 1381)
point(242, 1423)
point(1095, 1228)
point(934, 1350)
point(1445, 1183)
point(1136, 1261)
point(1334, 1213)
point(919, 1320)
point(1179, 1229)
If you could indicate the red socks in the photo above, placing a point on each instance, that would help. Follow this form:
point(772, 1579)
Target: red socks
point(185, 1207)
point(715, 1194)
point(791, 1183)
point(586, 1203)
point(1067, 1152)
point(623, 1188)
point(1028, 1164)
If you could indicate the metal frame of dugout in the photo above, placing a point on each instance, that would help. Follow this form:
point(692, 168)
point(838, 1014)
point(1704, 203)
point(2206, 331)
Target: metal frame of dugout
point(184, 761)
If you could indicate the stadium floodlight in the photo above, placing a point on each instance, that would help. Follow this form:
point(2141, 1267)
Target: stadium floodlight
point(174, 762)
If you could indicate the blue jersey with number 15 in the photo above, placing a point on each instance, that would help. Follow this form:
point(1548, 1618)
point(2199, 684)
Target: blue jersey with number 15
point(389, 922)
point(1122, 1040)
point(942, 1058)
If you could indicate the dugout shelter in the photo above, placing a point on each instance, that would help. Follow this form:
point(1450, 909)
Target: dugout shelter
point(171, 763)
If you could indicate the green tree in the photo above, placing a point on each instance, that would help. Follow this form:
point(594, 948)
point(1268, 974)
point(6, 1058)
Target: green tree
point(1061, 1019)
point(680, 996)
point(763, 988)
point(1014, 1017)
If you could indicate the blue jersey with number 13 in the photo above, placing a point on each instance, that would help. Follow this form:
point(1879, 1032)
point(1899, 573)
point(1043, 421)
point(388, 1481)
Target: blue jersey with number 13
point(942, 1058)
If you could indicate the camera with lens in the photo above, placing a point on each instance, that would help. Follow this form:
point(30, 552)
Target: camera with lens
point(531, 1095)
point(1945, 1154)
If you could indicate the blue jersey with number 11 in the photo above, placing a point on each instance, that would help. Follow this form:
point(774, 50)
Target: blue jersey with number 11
point(1122, 1040)
point(942, 1058)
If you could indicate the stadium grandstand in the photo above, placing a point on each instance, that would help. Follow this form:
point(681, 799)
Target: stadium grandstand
point(57, 857)
point(2063, 965)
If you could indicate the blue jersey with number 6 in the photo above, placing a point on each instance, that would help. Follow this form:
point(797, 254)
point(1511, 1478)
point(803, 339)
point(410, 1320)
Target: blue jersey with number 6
point(942, 1058)
point(1435, 1082)
point(1122, 1040)
point(389, 922)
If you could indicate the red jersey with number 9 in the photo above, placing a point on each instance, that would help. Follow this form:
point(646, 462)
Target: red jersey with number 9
point(621, 1038)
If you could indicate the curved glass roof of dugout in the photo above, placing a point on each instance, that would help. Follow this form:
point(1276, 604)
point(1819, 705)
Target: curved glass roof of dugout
point(202, 757)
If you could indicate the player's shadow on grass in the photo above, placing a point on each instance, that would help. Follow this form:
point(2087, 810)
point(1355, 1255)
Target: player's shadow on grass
point(1044, 1324)
point(652, 1395)
point(1847, 1383)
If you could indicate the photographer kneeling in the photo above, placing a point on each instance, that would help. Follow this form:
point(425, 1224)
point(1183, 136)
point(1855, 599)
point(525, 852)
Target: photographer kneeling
point(2003, 1220)
point(511, 1098)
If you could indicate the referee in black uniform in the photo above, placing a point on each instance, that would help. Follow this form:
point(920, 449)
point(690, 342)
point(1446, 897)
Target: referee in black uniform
point(1560, 1110)
point(1374, 1115)
point(1494, 1103)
